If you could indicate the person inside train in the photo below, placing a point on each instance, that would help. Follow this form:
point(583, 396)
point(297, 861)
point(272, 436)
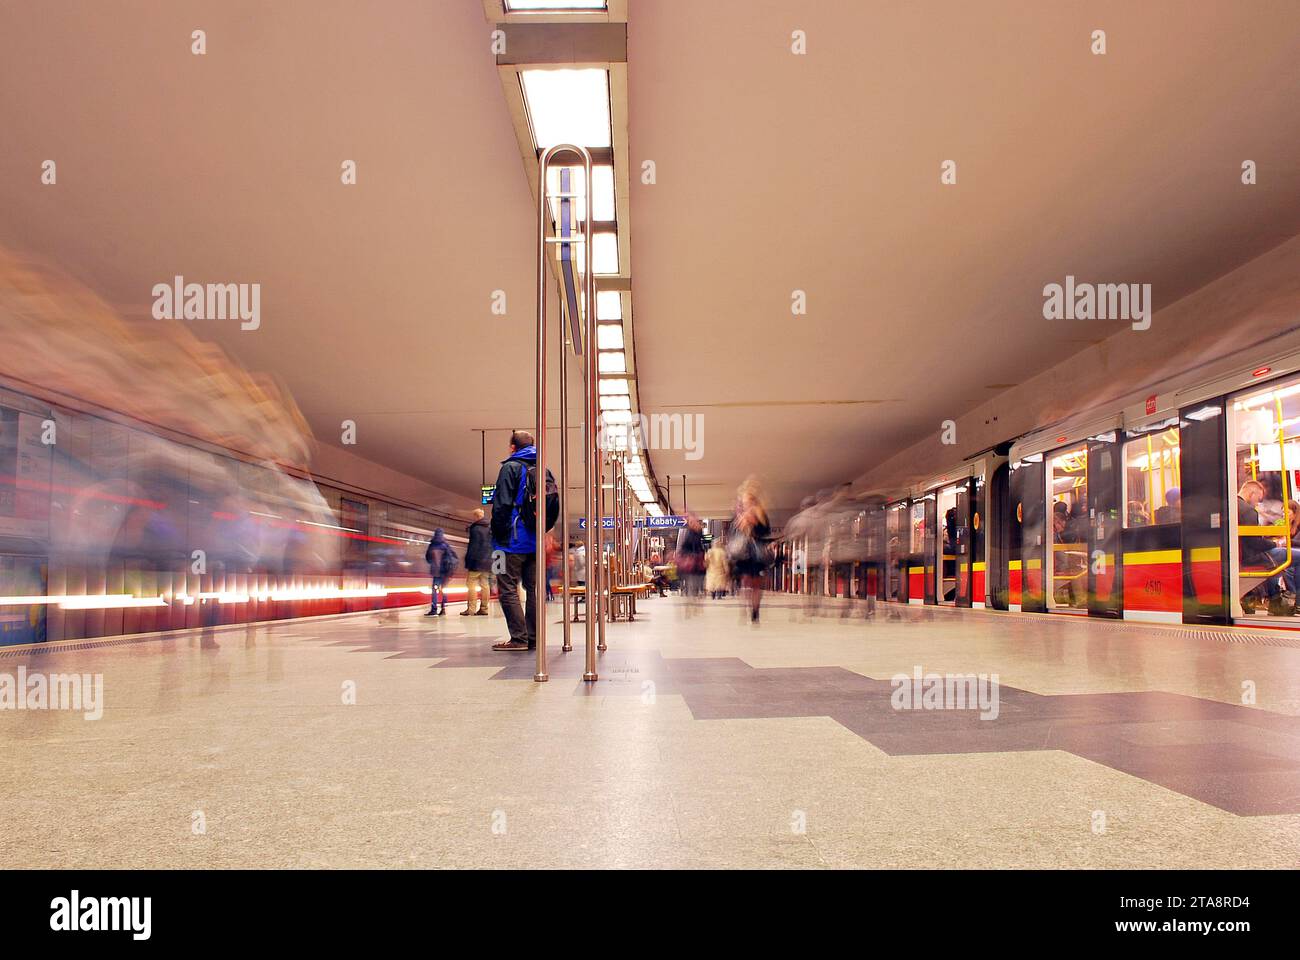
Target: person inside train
point(1137, 514)
point(1278, 556)
point(1172, 511)
point(1253, 549)
point(949, 571)
point(1078, 528)
point(1062, 531)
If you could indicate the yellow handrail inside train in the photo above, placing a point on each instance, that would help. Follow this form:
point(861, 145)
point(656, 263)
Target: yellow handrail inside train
point(1286, 496)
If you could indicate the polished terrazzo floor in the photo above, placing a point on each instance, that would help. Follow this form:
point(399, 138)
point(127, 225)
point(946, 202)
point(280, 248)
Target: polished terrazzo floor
point(707, 742)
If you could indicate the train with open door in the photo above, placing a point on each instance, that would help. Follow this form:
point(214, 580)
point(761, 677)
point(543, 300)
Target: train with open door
point(1178, 506)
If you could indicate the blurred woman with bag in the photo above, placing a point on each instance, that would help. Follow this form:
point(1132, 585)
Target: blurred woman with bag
point(747, 543)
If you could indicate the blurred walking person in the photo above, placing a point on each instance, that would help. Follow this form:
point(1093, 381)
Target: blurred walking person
point(552, 565)
point(717, 577)
point(747, 543)
point(689, 557)
point(442, 564)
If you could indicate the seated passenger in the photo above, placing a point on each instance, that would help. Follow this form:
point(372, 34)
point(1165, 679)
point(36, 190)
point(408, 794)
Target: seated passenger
point(1172, 511)
point(1137, 514)
point(1278, 555)
point(1253, 550)
point(1067, 529)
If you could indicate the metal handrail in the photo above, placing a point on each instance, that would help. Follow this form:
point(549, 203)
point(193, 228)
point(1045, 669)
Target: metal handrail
point(1258, 531)
point(594, 535)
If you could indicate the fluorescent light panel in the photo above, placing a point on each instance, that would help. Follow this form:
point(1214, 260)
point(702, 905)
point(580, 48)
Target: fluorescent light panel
point(609, 336)
point(604, 253)
point(612, 361)
point(568, 106)
point(513, 6)
point(609, 305)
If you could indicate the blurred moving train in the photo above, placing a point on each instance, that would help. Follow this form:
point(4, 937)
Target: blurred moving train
point(117, 529)
point(1177, 507)
point(148, 482)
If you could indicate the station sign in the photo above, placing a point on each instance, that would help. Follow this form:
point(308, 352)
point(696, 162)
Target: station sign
point(649, 522)
point(488, 490)
point(653, 522)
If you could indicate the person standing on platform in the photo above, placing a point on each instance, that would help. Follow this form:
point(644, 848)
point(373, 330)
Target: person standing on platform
point(478, 567)
point(514, 533)
point(717, 577)
point(442, 564)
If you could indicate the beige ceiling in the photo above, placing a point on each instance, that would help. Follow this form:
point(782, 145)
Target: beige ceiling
point(820, 172)
point(226, 167)
point(775, 172)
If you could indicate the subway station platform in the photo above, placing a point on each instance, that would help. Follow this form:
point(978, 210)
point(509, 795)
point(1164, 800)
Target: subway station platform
point(707, 742)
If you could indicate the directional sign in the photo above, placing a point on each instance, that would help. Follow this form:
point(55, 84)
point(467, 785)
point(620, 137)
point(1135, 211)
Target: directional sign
point(661, 522)
point(652, 522)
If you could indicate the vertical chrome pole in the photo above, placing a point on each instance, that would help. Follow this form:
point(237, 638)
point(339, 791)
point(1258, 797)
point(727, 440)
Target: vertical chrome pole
point(616, 554)
point(539, 549)
point(591, 438)
point(623, 522)
point(628, 528)
point(603, 590)
point(564, 478)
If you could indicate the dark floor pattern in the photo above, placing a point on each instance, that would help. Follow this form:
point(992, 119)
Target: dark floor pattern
point(1239, 759)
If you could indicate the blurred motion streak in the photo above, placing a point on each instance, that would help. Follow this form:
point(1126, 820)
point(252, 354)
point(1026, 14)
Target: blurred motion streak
point(148, 482)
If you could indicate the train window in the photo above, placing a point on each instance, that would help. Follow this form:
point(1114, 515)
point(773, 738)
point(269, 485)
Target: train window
point(896, 550)
point(918, 526)
point(1265, 460)
point(1067, 527)
point(1152, 477)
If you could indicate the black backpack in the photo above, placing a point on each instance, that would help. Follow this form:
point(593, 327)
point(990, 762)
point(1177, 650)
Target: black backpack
point(528, 503)
point(449, 561)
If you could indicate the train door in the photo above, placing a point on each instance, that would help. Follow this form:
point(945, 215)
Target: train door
point(924, 516)
point(1152, 566)
point(1104, 593)
point(978, 558)
point(1066, 570)
point(1263, 450)
point(1001, 534)
point(1028, 536)
point(1204, 511)
point(952, 540)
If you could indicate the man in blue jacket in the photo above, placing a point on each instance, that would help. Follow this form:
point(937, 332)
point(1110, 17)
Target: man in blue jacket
point(514, 540)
